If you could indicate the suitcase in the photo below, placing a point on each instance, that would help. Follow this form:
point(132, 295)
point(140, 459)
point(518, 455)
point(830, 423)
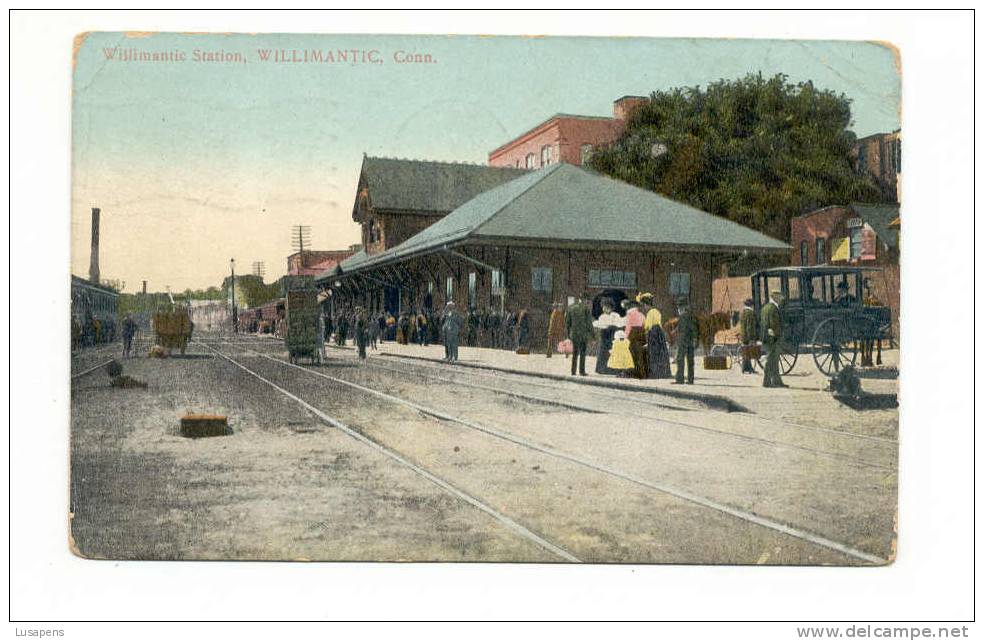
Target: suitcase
point(715, 362)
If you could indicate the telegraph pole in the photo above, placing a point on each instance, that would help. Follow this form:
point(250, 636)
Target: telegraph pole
point(300, 236)
point(232, 288)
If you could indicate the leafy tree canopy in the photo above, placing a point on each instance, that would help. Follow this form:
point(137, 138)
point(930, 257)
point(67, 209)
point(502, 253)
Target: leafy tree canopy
point(756, 151)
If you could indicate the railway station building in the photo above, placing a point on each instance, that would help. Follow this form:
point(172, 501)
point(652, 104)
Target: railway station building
point(544, 237)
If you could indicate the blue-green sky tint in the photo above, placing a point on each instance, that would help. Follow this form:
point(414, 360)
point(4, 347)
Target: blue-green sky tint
point(188, 149)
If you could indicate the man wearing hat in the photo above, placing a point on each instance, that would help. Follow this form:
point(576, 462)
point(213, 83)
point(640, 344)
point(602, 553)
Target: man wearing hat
point(771, 326)
point(686, 337)
point(749, 335)
point(361, 331)
point(843, 296)
point(580, 330)
point(451, 326)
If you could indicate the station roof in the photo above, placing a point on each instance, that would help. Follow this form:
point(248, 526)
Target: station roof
point(428, 186)
point(564, 203)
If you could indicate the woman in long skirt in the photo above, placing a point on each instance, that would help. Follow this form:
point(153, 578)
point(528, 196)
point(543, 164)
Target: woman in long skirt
point(635, 322)
point(659, 352)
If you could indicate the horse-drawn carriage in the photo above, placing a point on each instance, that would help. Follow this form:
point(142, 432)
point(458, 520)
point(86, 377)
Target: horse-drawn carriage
point(823, 313)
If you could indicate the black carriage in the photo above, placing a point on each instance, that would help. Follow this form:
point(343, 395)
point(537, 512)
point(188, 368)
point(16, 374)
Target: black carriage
point(823, 313)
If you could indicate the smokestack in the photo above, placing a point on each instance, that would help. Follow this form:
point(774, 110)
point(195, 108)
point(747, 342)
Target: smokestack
point(144, 288)
point(94, 251)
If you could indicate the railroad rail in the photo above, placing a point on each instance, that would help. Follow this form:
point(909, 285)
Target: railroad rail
point(624, 397)
point(679, 424)
point(92, 369)
point(477, 503)
point(664, 488)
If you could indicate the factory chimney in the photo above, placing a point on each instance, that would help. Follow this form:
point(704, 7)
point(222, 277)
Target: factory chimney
point(94, 251)
point(144, 291)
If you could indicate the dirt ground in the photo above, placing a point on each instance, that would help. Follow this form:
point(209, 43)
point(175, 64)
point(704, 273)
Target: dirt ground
point(286, 486)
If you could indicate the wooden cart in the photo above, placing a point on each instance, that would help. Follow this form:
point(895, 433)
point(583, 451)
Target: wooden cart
point(172, 330)
point(304, 333)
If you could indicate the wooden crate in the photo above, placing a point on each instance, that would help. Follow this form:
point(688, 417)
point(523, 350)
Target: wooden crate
point(203, 425)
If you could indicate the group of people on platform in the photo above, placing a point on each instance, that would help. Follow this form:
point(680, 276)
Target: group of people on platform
point(629, 338)
point(510, 329)
point(631, 343)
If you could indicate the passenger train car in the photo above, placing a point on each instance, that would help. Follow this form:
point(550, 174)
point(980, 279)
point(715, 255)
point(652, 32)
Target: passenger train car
point(94, 313)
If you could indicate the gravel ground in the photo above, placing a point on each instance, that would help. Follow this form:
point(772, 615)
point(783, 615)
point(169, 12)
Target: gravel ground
point(285, 486)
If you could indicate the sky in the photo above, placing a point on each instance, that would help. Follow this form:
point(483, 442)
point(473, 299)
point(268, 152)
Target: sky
point(194, 162)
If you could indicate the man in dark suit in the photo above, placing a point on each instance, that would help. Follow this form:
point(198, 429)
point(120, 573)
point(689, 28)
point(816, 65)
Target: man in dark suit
point(451, 328)
point(771, 327)
point(580, 330)
point(686, 337)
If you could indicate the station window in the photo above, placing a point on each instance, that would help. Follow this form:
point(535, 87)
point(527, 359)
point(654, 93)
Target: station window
point(530, 161)
point(611, 278)
point(497, 282)
point(546, 155)
point(856, 243)
point(821, 251)
point(542, 280)
point(680, 284)
point(804, 253)
point(449, 289)
point(472, 289)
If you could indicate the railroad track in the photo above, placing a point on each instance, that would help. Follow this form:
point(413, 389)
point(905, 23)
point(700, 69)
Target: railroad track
point(631, 397)
point(475, 502)
point(663, 488)
point(660, 419)
point(92, 369)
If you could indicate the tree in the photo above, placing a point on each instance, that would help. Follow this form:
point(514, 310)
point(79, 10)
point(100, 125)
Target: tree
point(114, 284)
point(756, 151)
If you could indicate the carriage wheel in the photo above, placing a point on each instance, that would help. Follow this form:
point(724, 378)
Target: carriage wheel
point(787, 357)
point(834, 348)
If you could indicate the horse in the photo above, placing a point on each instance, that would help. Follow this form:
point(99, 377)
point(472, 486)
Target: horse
point(707, 326)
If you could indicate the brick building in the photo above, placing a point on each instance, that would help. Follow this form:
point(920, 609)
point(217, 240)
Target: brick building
point(853, 234)
point(880, 156)
point(544, 237)
point(314, 262)
point(857, 234)
point(564, 138)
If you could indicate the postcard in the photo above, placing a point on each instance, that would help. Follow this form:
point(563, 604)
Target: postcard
point(484, 299)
